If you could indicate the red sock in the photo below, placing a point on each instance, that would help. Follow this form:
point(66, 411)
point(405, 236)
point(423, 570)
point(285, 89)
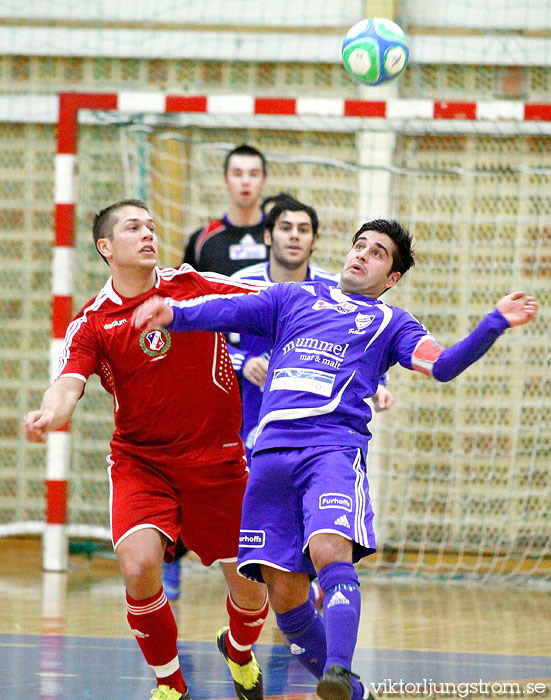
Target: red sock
point(152, 623)
point(245, 629)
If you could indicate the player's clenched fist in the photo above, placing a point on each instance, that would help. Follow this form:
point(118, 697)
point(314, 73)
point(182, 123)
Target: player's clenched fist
point(256, 370)
point(382, 399)
point(36, 425)
point(153, 312)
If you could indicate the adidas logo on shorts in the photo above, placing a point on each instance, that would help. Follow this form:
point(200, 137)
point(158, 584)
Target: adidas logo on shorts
point(296, 650)
point(338, 599)
point(343, 520)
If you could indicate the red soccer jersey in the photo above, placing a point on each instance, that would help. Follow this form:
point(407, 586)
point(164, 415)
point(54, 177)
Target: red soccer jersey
point(173, 392)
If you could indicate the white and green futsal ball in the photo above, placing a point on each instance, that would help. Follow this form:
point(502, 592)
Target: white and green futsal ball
point(375, 51)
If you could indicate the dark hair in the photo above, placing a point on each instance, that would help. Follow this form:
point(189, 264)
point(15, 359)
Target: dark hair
point(275, 198)
point(403, 256)
point(290, 204)
point(106, 219)
point(244, 150)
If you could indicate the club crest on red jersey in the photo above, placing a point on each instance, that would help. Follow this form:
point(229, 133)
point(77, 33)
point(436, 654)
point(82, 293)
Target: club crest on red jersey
point(155, 341)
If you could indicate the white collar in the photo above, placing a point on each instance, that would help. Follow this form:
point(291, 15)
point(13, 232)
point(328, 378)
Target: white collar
point(111, 294)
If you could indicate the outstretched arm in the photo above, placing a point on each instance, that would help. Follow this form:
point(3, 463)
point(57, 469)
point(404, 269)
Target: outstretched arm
point(243, 313)
point(515, 309)
point(58, 404)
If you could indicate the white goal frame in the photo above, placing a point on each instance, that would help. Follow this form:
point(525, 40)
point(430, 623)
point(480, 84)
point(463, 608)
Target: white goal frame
point(65, 110)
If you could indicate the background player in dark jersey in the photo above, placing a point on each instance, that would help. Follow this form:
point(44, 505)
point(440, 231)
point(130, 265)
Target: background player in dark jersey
point(237, 239)
point(165, 462)
point(307, 509)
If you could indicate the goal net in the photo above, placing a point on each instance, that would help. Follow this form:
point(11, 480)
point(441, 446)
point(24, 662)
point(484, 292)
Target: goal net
point(458, 472)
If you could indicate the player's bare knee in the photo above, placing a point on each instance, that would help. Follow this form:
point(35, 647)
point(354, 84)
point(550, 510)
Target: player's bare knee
point(327, 548)
point(286, 590)
point(141, 571)
point(248, 594)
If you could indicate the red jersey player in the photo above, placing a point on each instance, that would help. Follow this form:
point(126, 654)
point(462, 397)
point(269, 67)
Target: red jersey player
point(177, 465)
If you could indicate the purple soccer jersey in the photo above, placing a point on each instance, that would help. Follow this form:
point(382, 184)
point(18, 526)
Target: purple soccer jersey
point(329, 350)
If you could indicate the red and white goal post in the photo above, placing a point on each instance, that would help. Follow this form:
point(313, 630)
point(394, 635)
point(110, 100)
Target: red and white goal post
point(453, 494)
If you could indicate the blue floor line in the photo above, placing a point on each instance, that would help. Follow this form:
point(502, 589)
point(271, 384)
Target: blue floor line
point(95, 668)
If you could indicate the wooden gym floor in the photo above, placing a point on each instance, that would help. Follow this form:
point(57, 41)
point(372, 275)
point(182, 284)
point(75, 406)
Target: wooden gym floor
point(65, 636)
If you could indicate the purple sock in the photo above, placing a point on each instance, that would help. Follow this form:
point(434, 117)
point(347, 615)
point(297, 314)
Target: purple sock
point(304, 629)
point(312, 595)
point(358, 691)
point(341, 612)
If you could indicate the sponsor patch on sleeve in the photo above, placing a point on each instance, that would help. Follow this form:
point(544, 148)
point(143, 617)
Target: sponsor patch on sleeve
point(425, 355)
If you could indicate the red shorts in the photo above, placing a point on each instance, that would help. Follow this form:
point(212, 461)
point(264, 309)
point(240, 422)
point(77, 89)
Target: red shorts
point(199, 502)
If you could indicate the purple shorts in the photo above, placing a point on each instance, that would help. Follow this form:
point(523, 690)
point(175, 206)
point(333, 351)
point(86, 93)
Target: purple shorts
point(293, 494)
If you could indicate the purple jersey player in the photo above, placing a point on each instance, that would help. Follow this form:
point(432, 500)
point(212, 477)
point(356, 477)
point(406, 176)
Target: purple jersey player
point(306, 509)
point(291, 234)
